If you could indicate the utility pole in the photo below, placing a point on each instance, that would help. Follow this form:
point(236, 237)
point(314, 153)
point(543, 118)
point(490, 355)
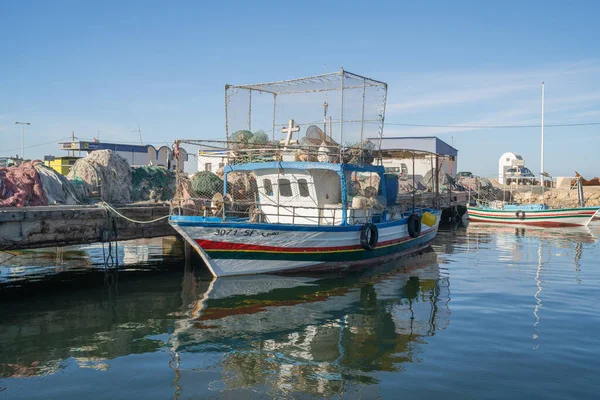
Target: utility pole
point(22, 137)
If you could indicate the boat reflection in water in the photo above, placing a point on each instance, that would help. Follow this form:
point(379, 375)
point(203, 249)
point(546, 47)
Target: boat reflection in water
point(272, 334)
point(306, 334)
point(539, 247)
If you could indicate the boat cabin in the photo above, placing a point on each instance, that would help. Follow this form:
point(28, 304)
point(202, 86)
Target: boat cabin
point(318, 193)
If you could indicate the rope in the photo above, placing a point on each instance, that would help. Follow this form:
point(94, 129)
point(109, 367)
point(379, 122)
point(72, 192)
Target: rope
point(108, 207)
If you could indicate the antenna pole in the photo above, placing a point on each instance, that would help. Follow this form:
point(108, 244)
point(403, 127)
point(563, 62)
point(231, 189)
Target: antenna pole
point(22, 137)
point(342, 114)
point(72, 143)
point(325, 105)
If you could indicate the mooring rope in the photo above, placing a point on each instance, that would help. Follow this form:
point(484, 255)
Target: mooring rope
point(108, 207)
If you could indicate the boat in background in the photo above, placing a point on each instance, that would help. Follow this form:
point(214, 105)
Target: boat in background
point(532, 214)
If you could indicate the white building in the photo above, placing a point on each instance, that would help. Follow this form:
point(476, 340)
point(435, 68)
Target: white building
point(211, 160)
point(508, 160)
point(436, 154)
point(136, 155)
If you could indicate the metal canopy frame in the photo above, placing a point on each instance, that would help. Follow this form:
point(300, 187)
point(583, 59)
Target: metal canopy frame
point(291, 86)
point(340, 81)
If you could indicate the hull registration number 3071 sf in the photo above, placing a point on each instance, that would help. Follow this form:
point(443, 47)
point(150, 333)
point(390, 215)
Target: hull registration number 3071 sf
point(243, 232)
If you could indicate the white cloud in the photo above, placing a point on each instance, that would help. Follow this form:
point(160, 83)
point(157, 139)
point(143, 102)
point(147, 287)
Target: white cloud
point(444, 89)
point(457, 97)
point(587, 114)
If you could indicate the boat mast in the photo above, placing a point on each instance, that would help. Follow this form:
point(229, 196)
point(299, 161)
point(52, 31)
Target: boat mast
point(542, 170)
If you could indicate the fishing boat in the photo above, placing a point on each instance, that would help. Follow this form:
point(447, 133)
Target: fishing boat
point(309, 203)
point(532, 214)
point(535, 214)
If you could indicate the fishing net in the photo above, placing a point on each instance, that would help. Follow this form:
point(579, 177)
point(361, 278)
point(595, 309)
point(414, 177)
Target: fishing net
point(445, 181)
point(406, 186)
point(337, 110)
point(483, 190)
point(205, 184)
point(106, 175)
point(80, 189)
point(259, 138)
point(152, 182)
point(21, 186)
point(57, 188)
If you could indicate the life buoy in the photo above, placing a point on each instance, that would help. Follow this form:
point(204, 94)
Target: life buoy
point(369, 235)
point(414, 226)
point(520, 214)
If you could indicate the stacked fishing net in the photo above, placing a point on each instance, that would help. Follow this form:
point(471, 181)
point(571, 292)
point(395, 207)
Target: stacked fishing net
point(34, 184)
point(484, 189)
point(105, 174)
point(205, 190)
point(244, 138)
point(444, 181)
point(21, 186)
point(406, 186)
point(151, 182)
point(206, 184)
point(250, 147)
point(363, 189)
point(57, 188)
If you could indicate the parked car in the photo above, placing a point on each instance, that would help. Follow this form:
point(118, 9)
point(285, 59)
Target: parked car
point(401, 171)
point(520, 175)
point(464, 174)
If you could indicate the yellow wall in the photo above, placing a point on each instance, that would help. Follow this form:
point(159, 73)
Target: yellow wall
point(61, 165)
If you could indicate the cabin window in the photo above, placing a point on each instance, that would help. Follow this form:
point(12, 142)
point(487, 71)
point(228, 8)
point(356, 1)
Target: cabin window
point(285, 188)
point(221, 165)
point(303, 188)
point(268, 187)
point(208, 166)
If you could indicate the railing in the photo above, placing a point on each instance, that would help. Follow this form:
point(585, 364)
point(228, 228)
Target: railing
point(294, 215)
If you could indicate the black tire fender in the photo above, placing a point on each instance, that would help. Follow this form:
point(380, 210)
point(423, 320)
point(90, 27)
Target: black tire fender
point(520, 214)
point(369, 235)
point(414, 226)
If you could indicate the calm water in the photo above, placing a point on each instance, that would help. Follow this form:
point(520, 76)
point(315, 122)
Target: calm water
point(490, 313)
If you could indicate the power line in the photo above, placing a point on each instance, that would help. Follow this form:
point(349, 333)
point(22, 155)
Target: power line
point(491, 126)
point(35, 145)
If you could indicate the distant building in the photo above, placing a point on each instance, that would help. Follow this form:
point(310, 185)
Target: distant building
point(507, 161)
point(436, 154)
point(211, 160)
point(62, 165)
point(136, 154)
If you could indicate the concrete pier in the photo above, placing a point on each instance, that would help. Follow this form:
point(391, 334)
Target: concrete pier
point(35, 227)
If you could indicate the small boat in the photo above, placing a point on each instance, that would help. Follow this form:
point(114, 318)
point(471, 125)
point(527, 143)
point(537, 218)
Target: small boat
point(532, 214)
point(535, 214)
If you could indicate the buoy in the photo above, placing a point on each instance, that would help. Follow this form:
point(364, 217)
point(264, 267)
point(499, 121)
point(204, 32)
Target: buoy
point(428, 219)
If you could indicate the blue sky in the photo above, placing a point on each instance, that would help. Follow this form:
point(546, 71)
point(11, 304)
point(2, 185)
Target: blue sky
point(109, 66)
